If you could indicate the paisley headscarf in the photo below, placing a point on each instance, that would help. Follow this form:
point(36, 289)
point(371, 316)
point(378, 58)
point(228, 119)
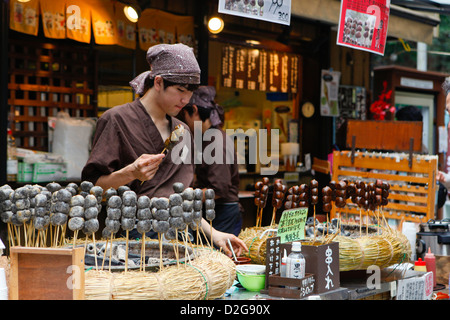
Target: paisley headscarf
point(174, 62)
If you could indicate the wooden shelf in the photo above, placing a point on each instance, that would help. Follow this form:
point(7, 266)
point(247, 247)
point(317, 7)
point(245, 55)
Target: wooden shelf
point(45, 78)
point(412, 193)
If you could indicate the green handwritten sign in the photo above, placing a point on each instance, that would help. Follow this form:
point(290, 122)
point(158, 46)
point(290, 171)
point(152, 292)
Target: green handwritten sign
point(292, 225)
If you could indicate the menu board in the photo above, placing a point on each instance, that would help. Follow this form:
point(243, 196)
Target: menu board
point(263, 70)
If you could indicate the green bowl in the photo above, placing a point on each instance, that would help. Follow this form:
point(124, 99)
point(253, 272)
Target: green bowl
point(252, 282)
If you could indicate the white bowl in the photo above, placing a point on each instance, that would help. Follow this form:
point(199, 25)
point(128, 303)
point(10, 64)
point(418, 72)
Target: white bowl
point(254, 269)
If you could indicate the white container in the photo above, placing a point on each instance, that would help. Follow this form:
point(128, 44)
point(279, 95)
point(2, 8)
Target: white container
point(3, 287)
point(283, 265)
point(295, 263)
point(4, 294)
point(251, 269)
point(409, 229)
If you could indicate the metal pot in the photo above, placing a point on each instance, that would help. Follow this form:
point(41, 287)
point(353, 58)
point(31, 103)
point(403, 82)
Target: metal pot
point(434, 235)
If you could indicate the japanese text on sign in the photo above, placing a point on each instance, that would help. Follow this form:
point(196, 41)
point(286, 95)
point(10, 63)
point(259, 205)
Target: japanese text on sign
point(292, 225)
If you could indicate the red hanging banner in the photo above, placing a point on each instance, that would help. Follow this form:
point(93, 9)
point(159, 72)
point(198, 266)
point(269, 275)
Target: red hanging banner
point(363, 25)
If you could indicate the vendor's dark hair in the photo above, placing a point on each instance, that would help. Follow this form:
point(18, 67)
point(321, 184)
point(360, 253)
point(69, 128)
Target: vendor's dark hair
point(189, 86)
point(446, 86)
point(204, 113)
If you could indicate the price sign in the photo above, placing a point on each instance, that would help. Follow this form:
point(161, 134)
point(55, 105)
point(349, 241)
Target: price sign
point(363, 24)
point(277, 11)
point(292, 225)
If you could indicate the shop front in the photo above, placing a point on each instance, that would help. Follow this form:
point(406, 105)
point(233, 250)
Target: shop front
point(311, 167)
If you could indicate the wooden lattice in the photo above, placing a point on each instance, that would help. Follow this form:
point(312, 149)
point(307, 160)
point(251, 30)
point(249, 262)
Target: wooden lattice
point(412, 193)
point(45, 78)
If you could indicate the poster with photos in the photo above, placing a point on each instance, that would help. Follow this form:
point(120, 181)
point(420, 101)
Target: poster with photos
point(276, 11)
point(363, 25)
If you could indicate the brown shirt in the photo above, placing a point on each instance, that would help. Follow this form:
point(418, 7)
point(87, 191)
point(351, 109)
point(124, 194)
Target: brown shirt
point(124, 133)
point(223, 178)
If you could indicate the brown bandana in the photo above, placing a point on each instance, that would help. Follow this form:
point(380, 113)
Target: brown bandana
point(173, 62)
point(204, 97)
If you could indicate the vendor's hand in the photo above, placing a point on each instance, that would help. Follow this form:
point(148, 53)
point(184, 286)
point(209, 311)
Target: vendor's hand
point(145, 167)
point(221, 240)
point(440, 177)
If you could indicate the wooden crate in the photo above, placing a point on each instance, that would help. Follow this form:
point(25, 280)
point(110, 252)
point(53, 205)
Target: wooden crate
point(46, 274)
point(384, 135)
point(412, 193)
point(290, 287)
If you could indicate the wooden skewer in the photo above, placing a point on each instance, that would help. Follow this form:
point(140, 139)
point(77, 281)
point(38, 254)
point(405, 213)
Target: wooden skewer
point(104, 253)
point(143, 252)
point(164, 150)
point(273, 216)
point(212, 243)
point(95, 251)
point(75, 235)
point(160, 253)
point(110, 251)
point(360, 222)
point(314, 223)
point(126, 252)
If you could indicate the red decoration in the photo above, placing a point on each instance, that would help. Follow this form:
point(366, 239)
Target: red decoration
point(380, 108)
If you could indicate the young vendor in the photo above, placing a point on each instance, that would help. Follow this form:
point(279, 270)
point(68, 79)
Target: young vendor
point(129, 138)
point(218, 173)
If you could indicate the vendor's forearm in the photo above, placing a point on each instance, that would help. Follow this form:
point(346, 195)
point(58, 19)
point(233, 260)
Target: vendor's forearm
point(116, 179)
point(206, 227)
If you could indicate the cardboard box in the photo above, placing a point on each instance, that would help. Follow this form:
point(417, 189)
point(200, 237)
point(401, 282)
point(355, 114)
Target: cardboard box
point(25, 172)
point(48, 171)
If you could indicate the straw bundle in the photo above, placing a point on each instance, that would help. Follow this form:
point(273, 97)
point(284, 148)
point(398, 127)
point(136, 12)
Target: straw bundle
point(350, 253)
point(208, 276)
point(170, 284)
point(381, 250)
point(400, 246)
point(98, 285)
point(219, 272)
point(255, 243)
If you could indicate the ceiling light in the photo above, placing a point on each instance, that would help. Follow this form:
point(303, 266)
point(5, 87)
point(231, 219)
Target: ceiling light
point(131, 13)
point(215, 25)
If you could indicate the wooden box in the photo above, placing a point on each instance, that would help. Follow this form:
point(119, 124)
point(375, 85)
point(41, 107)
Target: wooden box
point(46, 274)
point(322, 264)
point(322, 261)
point(291, 288)
point(384, 135)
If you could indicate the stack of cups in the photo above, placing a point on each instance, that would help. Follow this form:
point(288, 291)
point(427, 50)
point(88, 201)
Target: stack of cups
point(3, 287)
point(290, 151)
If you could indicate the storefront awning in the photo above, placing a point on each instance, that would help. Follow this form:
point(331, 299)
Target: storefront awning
point(404, 23)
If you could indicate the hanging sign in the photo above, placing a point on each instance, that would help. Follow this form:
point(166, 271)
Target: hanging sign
point(24, 16)
point(292, 225)
point(363, 24)
point(277, 11)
